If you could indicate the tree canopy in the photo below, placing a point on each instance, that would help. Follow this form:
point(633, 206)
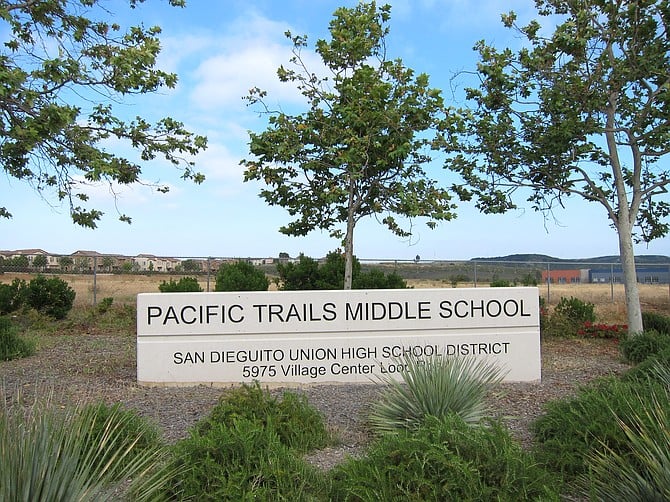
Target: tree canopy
point(63, 67)
point(580, 112)
point(360, 148)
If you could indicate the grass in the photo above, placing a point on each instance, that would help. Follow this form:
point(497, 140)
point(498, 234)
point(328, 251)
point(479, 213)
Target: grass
point(88, 332)
point(438, 386)
point(123, 288)
point(81, 453)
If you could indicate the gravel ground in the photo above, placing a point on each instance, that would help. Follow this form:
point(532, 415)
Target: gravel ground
point(93, 367)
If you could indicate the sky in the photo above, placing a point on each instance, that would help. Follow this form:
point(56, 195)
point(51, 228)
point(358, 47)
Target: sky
point(220, 50)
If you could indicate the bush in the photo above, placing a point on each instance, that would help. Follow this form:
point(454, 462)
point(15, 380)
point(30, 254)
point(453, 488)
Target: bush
point(249, 448)
point(500, 283)
point(12, 346)
point(572, 429)
point(131, 433)
point(603, 330)
point(637, 348)
point(183, 285)
point(640, 473)
point(298, 425)
point(647, 368)
point(52, 455)
point(53, 296)
point(656, 321)
point(436, 386)
point(242, 461)
point(12, 296)
point(105, 304)
point(241, 276)
point(576, 310)
point(301, 276)
point(307, 274)
point(445, 459)
point(376, 279)
point(569, 316)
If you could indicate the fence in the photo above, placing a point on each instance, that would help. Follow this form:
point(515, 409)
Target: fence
point(95, 276)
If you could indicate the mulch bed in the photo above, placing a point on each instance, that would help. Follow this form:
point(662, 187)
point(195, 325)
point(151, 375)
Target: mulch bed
point(93, 367)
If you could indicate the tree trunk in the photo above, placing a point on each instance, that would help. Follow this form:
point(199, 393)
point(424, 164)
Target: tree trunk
point(349, 239)
point(624, 219)
point(631, 290)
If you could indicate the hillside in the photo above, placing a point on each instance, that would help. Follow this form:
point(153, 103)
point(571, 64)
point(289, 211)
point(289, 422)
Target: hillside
point(541, 258)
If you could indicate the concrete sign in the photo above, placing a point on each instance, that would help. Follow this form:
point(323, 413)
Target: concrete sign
point(330, 336)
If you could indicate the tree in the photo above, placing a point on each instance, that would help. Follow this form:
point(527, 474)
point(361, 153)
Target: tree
point(241, 276)
point(191, 265)
point(65, 262)
point(308, 274)
point(582, 112)
point(360, 148)
point(40, 262)
point(61, 70)
point(108, 263)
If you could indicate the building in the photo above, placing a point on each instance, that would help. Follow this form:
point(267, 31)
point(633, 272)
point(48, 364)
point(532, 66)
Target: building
point(645, 274)
point(565, 276)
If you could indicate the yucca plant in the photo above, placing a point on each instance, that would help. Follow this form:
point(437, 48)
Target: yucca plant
point(642, 473)
point(53, 455)
point(436, 386)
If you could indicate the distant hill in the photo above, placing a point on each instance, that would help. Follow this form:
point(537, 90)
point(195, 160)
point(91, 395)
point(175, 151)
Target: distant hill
point(530, 258)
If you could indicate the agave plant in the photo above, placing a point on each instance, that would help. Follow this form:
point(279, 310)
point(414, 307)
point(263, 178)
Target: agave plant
point(643, 473)
point(435, 386)
point(53, 455)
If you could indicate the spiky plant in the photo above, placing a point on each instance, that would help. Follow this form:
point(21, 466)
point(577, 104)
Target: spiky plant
point(642, 473)
point(53, 455)
point(435, 386)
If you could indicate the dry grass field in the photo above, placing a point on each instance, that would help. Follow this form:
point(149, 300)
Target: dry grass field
point(608, 299)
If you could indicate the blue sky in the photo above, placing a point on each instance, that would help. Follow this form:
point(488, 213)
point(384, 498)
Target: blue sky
point(222, 49)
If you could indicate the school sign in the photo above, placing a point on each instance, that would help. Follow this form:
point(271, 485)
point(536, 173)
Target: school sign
point(331, 336)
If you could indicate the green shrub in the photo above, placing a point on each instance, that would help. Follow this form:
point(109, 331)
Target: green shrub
point(308, 274)
point(183, 285)
point(569, 317)
point(500, 283)
point(657, 322)
point(444, 459)
point(455, 279)
point(12, 296)
point(435, 386)
point(242, 461)
point(13, 346)
point(376, 279)
point(298, 425)
point(51, 454)
point(300, 276)
point(637, 348)
point(53, 296)
point(241, 276)
point(559, 326)
point(249, 448)
point(105, 304)
point(131, 433)
point(576, 310)
point(642, 472)
point(571, 429)
point(647, 368)
point(529, 280)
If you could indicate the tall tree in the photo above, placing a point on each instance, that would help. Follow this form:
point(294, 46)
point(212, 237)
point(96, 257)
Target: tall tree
point(61, 71)
point(360, 148)
point(581, 112)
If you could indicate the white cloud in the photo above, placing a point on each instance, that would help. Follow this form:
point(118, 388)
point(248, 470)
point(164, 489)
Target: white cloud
point(248, 56)
point(218, 163)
